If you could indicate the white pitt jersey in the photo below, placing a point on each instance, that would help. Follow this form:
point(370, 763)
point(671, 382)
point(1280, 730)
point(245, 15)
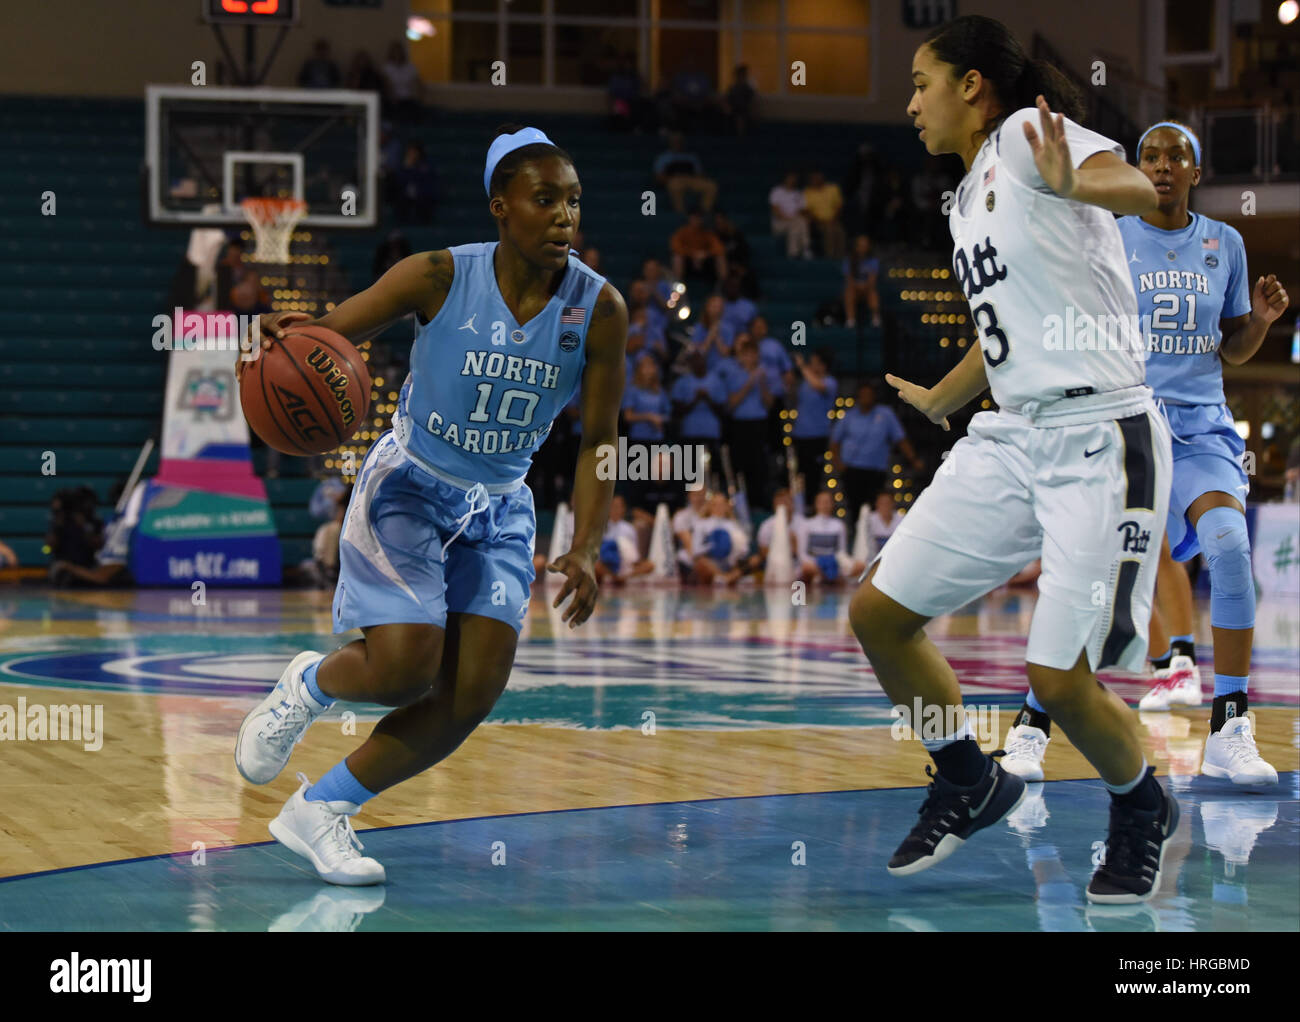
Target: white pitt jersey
point(1046, 278)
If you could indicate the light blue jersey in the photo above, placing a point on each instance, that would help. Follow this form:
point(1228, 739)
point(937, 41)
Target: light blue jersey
point(483, 391)
point(1186, 282)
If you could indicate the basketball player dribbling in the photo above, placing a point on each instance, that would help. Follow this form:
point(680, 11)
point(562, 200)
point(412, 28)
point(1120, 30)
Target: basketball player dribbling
point(1192, 287)
point(1074, 468)
point(436, 552)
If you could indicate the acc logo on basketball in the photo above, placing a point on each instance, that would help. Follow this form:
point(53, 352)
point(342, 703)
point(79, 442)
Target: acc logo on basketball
point(569, 341)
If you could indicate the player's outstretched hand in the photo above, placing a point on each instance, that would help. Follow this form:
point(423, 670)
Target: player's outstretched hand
point(1051, 154)
point(1269, 299)
point(920, 398)
point(271, 325)
point(580, 579)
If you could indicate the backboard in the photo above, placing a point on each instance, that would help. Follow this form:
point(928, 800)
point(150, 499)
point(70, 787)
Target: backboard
point(208, 148)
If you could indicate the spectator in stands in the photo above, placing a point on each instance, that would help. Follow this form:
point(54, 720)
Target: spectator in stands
point(247, 298)
point(684, 521)
point(699, 398)
point(718, 544)
point(658, 290)
point(679, 172)
point(319, 70)
point(738, 103)
point(824, 202)
point(790, 216)
point(620, 557)
point(665, 114)
point(650, 323)
point(8, 559)
point(645, 411)
point(231, 269)
point(392, 250)
point(325, 544)
point(698, 255)
point(711, 337)
point(736, 248)
point(814, 396)
point(696, 106)
point(591, 256)
point(737, 310)
point(862, 446)
point(861, 269)
point(628, 105)
point(931, 224)
point(890, 216)
point(402, 86)
point(780, 373)
point(362, 76)
point(415, 189)
point(860, 190)
point(82, 550)
point(823, 545)
point(882, 522)
point(749, 396)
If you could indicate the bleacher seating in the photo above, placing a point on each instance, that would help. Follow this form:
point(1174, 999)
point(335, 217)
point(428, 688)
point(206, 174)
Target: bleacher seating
point(78, 290)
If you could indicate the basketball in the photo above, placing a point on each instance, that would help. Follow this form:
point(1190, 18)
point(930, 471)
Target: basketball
point(308, 393)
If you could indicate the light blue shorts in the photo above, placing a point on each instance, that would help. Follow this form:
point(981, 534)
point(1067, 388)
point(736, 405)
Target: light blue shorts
point(392, 569)
point(1207, 458)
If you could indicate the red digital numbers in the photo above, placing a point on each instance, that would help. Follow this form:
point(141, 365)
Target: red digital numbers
point(256, 6)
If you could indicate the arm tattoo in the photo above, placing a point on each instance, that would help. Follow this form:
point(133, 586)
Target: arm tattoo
point(440, 271)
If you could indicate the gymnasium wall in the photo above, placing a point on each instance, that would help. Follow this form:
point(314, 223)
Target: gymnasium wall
point(115, 49)
point(103, 48)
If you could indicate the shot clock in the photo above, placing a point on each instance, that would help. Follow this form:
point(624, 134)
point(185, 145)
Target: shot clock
point(251, 12)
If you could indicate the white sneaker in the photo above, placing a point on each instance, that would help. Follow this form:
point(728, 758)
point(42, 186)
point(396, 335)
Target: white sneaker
point(321, 832)
point(1179, 684)
point(276, 724)
point(1231, 753)
point(1031, 815)
point(1026, 746)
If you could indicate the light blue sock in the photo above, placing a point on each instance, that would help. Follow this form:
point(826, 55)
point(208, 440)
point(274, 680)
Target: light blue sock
point(1226, 684)
point(1182, 638)
point(1032, 702)
point(338, 785)
point(313, 690)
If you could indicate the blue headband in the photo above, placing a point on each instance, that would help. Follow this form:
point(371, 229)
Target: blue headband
point(503, 144)
point(1196, 145)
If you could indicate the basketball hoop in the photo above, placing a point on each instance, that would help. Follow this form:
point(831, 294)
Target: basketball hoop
point(273, 221)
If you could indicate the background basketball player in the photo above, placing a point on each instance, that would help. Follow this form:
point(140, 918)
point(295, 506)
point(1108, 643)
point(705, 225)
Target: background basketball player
point(1189, 273)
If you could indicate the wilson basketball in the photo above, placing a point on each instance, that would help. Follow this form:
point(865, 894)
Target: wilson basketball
point(308, 393)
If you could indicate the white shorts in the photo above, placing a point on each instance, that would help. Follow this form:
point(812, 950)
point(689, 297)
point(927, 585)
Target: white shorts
point(1090, 500)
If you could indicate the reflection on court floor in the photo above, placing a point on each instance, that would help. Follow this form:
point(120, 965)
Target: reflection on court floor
point(688, 759)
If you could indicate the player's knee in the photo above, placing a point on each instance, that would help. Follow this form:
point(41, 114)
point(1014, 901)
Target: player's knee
point(875, 621)
point(475, 699)
point(402, 676)
point(1226, 545)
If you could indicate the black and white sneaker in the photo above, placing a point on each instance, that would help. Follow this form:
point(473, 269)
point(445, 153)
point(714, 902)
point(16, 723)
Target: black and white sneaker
point(950, 815)
point(1135, 852)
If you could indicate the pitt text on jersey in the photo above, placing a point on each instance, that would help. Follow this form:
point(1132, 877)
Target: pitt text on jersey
point(515, 407)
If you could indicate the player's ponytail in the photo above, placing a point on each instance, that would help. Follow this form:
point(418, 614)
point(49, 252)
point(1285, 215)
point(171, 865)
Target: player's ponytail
point(976, 43)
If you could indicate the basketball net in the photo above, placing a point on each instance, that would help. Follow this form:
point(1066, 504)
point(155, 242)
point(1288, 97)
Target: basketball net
point(273, 221)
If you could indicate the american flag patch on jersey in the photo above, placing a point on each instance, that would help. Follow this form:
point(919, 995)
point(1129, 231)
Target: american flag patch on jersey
point(573, 314)
point(988, 174)
point(1209, 243)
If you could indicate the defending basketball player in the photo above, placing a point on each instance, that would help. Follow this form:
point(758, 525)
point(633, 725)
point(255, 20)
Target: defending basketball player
point(436, 551)
point(1190, 276)
point(1073, 468)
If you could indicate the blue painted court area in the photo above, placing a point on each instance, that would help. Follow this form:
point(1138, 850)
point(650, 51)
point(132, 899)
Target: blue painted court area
point(726, 864)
